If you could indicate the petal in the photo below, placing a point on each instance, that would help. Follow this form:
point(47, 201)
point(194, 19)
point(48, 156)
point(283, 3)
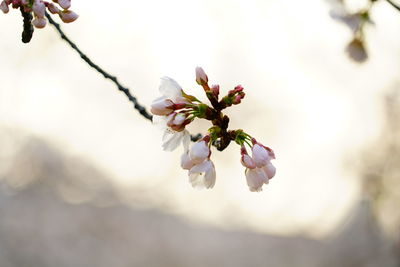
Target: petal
point(247, 161)
point(186, 163)
point(160, 122)
point(199, 152)
point(202, 175)
point(186, 140)
point(269, 170)
point(255, 179)
point(169, 88)
point(171, 140)
point(260, 155)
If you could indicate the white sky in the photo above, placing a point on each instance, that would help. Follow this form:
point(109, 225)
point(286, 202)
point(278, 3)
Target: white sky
point(304, 99)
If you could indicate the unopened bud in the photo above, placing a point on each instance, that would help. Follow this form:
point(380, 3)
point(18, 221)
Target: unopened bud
point(4, 7)
point(237, 100)
point(201, 76)
point(215, 90)
point(68, 16)
point(65, 3)
point(53, 9)
point(39, 22)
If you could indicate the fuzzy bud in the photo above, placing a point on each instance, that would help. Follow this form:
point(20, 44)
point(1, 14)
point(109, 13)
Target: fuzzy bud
point(201, 77)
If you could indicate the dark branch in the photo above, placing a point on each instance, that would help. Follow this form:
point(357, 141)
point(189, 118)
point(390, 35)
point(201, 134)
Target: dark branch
point(27, 32)
point(393, 4)
point(142, 110)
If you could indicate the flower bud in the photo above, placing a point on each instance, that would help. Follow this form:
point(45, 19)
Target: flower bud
point(53, 9)
point(39, 9)
point(65, 3)
point(4, 7)
point(39, 22)
point(68, 16)
point(162, 107)
point(201, 77)
point(177, 121)
point(215, 90)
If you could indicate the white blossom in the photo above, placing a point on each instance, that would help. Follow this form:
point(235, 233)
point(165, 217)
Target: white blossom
point(203, 175)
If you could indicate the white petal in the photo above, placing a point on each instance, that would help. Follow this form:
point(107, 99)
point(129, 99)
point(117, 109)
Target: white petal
point(269, 170)
point(199, 152)
point(186, 163)
point(186, 140)
point(171, 140)
point(255, 179)
point(260, 155)
point(170, 88)
point(203, 175)
point(160, 122)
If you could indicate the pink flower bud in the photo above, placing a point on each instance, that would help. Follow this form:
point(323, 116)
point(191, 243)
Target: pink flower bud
point(68, 16)
point(201, 77)
point(215, 90)
point(247, 161)
point(199, 152)
point(39, 22)
point(237, 100)
point(162, 107)
point(39, 9)
point(4, 7)
point(53, 9)
point(65, 3)
point(177, 121)
point(238, 88)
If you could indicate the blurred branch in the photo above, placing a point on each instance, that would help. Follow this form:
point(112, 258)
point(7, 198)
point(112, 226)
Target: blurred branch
point(393, 4)
point(27, 32)
point(142, 110)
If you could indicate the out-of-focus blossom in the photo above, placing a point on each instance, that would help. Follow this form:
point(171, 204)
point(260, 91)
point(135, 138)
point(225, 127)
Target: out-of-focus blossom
point(357, 51)
point(38, 8)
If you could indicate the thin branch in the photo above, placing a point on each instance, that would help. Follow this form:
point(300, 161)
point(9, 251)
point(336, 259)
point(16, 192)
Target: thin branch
point(142, 110)
point(393, 4)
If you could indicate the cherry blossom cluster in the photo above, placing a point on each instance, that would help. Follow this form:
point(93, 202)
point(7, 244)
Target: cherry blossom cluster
point(38, 8)
point(175, 109)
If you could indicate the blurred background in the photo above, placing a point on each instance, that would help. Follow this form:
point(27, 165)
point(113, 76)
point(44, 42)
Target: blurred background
point(83, 178)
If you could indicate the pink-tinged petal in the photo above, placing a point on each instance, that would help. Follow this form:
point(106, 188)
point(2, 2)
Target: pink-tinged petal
point(4, 7)
point(186, 162)
point(269, 170)
point(255, 179)
point(203, 175)
point(247, 161)
point(39, 22)
point(199, 152)
point(162, 106)
point(64, 3)
point(260, 156)
point(39, 9)
point(201, 76)
point(53, 9)
point(68, 16)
